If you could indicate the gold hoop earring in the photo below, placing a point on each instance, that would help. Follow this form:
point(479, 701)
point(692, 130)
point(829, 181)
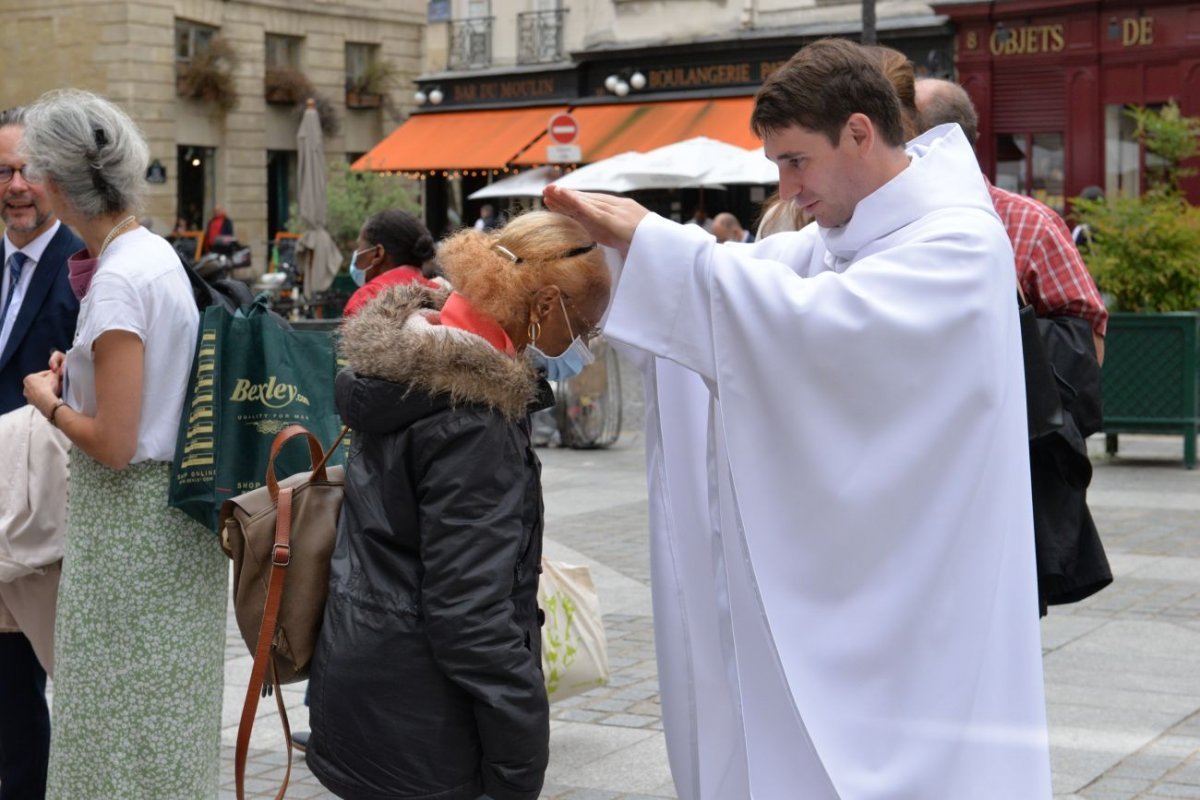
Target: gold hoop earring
point(535, 330)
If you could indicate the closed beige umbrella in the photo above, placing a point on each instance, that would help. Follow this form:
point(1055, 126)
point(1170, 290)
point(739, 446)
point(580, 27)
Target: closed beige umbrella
point(318, 254)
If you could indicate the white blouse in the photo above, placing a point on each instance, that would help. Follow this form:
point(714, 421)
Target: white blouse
point(139, 287)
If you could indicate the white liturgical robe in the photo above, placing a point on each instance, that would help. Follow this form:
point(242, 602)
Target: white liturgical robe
point(841, 530)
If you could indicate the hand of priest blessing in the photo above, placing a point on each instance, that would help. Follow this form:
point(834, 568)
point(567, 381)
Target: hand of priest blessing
point(610, 220)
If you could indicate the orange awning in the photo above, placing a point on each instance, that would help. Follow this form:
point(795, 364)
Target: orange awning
point(606, 130)
point(457, 140)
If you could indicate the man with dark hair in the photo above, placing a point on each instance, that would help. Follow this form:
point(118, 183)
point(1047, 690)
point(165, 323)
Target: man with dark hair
point(1051, 273)
point(37, 316)
point(841, 532)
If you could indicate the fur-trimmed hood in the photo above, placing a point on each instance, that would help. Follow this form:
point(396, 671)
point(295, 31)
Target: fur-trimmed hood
point(403, 364)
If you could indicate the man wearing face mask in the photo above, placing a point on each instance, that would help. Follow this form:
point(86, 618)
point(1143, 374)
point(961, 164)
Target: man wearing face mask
point(391, 250)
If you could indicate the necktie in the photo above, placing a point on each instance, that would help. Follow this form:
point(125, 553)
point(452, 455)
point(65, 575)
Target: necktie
point(16, 262)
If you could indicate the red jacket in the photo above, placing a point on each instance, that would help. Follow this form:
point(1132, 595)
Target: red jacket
point(393, 277)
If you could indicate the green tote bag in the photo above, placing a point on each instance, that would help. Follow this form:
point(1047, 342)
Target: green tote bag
point(251, 377)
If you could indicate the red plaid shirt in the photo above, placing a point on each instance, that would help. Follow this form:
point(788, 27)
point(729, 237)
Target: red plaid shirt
point(1049, 268)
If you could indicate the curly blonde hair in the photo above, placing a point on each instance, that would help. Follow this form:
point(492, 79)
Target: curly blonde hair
point(552, 250)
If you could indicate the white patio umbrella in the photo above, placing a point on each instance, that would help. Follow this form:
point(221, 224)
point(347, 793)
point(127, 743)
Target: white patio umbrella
point(682, 164)
point(317, 252)
point(679, 165)
point(607, 175)
point(524, 184)
point(752, 167)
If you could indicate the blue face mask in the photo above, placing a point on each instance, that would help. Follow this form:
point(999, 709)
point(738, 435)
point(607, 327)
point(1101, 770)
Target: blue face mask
point(569, 362)
point(359, 276)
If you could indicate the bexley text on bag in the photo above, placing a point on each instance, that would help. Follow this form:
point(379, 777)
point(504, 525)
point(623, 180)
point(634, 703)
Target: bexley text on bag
point(270, 394)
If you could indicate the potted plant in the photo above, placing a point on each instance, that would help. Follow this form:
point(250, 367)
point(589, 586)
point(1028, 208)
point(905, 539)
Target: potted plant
point(367, 90)
point(286, 86)
point(208, 76)
point(1145, 255)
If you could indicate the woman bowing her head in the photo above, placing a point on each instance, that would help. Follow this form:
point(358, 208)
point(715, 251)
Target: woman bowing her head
point(427, 677)
point(140, 630)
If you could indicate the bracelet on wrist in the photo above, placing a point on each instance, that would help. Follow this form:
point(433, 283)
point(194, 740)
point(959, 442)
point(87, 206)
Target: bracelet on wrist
point(54, 412)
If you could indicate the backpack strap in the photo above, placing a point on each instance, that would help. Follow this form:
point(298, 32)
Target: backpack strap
point(281, 556)
point(318, 466)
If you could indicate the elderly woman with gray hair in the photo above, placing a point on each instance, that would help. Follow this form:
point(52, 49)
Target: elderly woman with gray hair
point(141, 612)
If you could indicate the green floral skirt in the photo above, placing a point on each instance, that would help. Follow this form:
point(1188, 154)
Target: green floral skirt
point(139, 643)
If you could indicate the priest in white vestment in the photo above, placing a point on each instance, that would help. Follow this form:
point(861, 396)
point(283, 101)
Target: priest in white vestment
point(842, 545)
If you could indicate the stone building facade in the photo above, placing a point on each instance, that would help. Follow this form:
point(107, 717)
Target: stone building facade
point(634, 74)
point(133, 52)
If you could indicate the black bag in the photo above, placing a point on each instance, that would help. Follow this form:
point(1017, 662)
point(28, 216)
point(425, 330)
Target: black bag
point(229, 293)
point(1064, 402)
point(1043, 406)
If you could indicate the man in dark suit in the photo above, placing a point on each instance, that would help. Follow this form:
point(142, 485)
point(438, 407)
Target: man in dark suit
point(37, 316)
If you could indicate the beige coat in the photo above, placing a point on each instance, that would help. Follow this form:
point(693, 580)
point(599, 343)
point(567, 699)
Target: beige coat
point(33, 493)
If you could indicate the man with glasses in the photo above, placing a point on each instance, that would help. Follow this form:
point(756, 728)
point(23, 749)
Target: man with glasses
point(37, 316)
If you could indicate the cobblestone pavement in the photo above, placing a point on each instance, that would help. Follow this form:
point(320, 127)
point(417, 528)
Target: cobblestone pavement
point(1122, 668)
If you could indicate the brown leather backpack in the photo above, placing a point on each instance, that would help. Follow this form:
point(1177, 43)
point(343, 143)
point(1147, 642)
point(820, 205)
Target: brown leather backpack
point(280, 537)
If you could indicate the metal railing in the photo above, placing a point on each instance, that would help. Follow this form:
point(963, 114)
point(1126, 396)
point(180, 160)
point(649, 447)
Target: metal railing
point(540, 36)
point(471, 43)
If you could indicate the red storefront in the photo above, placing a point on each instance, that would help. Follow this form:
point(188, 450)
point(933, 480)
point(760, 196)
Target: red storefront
point(1050, 81)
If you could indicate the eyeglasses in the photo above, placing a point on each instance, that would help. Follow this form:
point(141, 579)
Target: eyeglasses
point(6, 173)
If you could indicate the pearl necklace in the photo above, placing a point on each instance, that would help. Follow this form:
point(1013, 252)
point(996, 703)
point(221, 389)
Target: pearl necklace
point(117, 229)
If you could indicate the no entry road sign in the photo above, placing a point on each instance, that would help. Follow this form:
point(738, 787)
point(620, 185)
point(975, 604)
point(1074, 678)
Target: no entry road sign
point(563, 129)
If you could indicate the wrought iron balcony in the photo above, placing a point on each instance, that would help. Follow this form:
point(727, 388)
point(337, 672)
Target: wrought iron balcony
point(540, 36)
point(471, 43)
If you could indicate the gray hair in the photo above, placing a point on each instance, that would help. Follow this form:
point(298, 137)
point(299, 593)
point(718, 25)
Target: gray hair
point(90, 149)
point(12, 116)
point(947, 102)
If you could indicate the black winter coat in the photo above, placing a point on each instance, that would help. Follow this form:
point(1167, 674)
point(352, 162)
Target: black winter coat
point(427, 679)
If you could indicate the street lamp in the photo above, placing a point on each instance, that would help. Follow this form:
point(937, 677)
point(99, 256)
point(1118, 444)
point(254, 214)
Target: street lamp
point(621, 82)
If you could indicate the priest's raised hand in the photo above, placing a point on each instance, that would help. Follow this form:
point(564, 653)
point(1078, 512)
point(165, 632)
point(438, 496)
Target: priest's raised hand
point(610, 220)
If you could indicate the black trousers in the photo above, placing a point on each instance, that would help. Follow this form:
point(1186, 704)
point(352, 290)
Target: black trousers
point(24, 721)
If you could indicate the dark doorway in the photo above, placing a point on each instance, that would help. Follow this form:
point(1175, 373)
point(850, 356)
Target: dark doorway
point(196, 168)
point(281, 189)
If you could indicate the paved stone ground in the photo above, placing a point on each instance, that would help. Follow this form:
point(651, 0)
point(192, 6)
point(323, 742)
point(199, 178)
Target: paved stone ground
point(1122, 668)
